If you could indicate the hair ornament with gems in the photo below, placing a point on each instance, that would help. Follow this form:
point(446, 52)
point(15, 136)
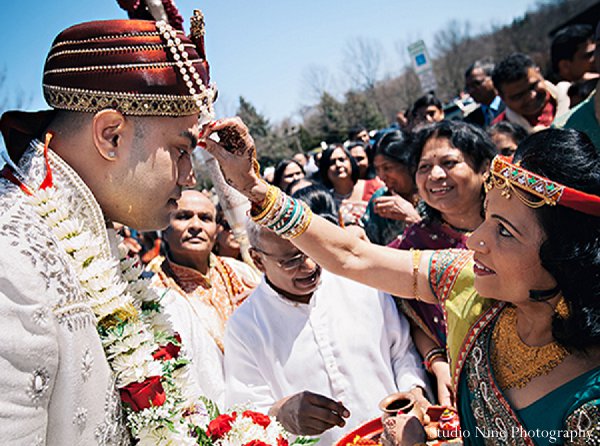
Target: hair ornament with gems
point(513, 179)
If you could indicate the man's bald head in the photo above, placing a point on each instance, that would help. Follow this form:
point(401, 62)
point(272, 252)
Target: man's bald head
point(288, 271)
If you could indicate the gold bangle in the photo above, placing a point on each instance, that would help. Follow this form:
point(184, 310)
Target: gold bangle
point(257, 212)
point(416, 261)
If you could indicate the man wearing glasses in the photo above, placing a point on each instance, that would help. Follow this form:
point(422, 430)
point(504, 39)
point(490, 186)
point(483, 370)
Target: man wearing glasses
point(313, 349)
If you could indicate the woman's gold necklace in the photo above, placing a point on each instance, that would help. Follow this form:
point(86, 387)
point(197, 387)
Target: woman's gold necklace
point(516, 363)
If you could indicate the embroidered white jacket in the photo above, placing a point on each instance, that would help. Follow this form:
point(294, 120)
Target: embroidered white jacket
point(56, 387)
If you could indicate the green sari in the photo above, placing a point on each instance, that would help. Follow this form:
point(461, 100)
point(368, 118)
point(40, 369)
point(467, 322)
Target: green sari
point(567, 415)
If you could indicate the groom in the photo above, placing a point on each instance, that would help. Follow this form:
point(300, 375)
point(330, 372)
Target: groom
point(127, 97)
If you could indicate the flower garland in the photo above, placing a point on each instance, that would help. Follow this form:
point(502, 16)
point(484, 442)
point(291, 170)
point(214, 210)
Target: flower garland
point(160, 400)
point(151, 371)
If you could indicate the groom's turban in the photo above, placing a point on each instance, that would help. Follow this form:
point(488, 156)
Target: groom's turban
point(138, 67)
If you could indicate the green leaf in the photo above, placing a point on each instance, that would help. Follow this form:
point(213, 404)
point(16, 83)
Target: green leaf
point(211, 407)
point(202, 438)
point(305, 441)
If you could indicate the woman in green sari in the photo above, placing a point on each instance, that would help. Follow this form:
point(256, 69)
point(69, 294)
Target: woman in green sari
point(522, 307)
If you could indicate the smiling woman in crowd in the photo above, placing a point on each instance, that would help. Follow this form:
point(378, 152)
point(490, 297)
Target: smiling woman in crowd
point(340, 173)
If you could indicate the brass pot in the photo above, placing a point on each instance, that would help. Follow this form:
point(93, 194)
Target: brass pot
point(399, 402)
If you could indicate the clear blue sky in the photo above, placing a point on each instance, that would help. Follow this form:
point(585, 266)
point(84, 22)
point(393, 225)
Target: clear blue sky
point(258, 49)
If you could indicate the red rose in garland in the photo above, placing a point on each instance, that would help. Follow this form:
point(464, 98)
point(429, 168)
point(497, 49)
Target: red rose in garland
point(169, 351)
point(218, 427)
point(142, 395)
point(258, 418)
point(256, 443)
point(282, 441)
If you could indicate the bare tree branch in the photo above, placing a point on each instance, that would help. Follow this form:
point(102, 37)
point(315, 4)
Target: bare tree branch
point(362, 62)
point(316, 80)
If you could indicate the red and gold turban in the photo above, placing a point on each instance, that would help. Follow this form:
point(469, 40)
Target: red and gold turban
point(139, 67)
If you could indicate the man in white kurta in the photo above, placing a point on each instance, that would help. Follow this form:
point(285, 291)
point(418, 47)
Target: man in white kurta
point(200, 290)
point(345, 342)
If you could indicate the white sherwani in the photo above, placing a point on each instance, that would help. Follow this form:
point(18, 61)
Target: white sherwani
point(348, 343)
point(56, 387)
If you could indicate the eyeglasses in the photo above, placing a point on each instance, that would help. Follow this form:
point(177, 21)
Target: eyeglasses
point(288, 264)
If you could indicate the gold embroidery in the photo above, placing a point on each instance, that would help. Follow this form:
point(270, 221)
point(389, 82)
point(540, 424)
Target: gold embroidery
point(584, 425)
point(197, 24)
point(116, 49)
point(516, 363)
point(134, 104)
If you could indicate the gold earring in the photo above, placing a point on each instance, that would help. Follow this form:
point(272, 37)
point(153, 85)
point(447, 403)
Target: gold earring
point(562, 308)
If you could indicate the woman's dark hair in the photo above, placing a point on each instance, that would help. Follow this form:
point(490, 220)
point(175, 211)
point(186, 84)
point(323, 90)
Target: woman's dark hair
point(395, 146)
point(571, 249)
point(515, 131)
point(326, 162)
point(319, 201)
point(280, 168)
point(471, 140)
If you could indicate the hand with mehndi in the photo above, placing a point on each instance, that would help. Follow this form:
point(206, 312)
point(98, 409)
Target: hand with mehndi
point(236, 155)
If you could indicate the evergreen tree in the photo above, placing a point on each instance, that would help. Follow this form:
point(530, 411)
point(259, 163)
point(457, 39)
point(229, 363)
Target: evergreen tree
point(333, 125)
point(257, 124)
point(361, 110)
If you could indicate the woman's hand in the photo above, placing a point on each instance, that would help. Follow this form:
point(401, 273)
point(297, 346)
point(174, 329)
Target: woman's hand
point(236, 155)
point(396, 208)
point(441, 370)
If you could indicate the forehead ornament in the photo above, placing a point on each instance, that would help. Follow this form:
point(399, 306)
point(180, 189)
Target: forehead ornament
point(535, 191)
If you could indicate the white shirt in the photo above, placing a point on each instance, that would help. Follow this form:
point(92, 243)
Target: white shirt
point(348, 343)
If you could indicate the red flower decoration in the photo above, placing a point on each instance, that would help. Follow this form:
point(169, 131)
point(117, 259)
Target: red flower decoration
point(282, 441)
point(218, 427)
point(256, 443)
point(169, 351)
point(259, 418)
point(140, 396)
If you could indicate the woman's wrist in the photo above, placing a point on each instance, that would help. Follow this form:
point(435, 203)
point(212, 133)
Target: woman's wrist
point(433, 356)
point(439, 365)
point(258, 193)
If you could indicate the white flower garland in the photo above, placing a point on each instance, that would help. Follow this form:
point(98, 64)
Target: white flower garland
point(131, 328)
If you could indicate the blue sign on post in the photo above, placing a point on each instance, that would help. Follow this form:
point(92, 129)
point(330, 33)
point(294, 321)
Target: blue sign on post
point(422, 65)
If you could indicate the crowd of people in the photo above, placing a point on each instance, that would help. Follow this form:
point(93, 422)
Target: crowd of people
point(456, 261)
